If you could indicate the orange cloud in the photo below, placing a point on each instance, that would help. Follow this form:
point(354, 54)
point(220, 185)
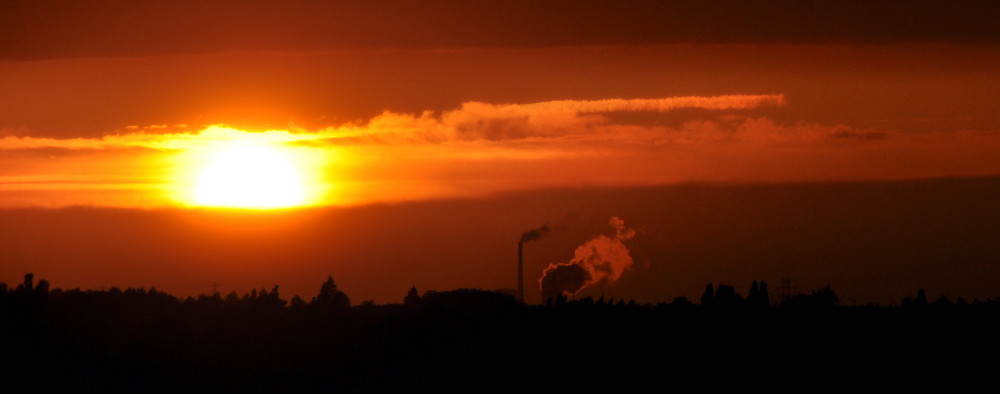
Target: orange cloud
point(655, 105)
point(482, 148)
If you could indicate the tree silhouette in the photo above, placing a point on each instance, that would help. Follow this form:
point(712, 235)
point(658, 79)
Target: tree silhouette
point(825, 296)
point(764, 296)
point(943, 301)
point(29, 283)
point(255, 342)
point(412, 297)
point(709, 295)
point(758, 297)
point(919, 302)
point(297, 302)
point(727, 296)
point(331, 297)
point(818, 299)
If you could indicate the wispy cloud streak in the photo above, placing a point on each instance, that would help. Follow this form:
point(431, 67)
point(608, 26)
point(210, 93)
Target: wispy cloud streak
point(630, 105)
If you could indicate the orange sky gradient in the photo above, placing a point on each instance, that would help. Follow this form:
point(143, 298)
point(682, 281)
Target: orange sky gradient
point(910, 119)
point(110, 111)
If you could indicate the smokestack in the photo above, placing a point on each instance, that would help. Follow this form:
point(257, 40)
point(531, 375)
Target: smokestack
point(520, 271)
point(528, 236)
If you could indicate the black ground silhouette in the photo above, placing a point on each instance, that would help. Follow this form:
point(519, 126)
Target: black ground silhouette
point(146, 340)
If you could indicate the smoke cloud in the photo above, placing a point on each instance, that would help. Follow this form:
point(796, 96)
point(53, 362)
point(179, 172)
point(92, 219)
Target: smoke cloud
point(534, 234)
point(601, 260)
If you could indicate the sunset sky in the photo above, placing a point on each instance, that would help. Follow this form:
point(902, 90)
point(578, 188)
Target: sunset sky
point(850, 143)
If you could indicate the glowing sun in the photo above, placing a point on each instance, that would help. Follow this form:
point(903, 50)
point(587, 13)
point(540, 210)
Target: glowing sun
point(251, 176)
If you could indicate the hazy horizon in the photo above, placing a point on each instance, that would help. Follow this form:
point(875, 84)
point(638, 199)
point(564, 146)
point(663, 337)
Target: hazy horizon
point(871, 241)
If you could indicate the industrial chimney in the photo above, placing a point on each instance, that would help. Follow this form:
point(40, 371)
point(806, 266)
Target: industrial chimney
point(528, 236)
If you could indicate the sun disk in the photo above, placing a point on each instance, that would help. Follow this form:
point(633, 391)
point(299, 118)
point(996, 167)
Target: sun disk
point(249, 177)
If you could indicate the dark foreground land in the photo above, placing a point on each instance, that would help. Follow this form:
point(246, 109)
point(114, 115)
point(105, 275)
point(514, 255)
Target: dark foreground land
point(140, 340)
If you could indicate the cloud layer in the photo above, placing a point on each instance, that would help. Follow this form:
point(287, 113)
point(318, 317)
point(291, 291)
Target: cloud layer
point(483, 148)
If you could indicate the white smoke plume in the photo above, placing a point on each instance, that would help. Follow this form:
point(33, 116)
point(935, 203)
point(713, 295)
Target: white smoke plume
point(601, 260)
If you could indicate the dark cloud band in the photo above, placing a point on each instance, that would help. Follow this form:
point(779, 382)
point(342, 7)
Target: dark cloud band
point(64, 28)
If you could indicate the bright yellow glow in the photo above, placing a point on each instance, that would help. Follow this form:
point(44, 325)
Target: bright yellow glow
point(249, 177)
point(238, 169)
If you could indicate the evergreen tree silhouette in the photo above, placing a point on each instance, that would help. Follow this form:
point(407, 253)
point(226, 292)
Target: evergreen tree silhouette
point(412, 297)
point(331, 297)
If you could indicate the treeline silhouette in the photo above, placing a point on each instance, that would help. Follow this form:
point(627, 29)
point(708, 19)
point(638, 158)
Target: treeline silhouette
point(143, 340)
